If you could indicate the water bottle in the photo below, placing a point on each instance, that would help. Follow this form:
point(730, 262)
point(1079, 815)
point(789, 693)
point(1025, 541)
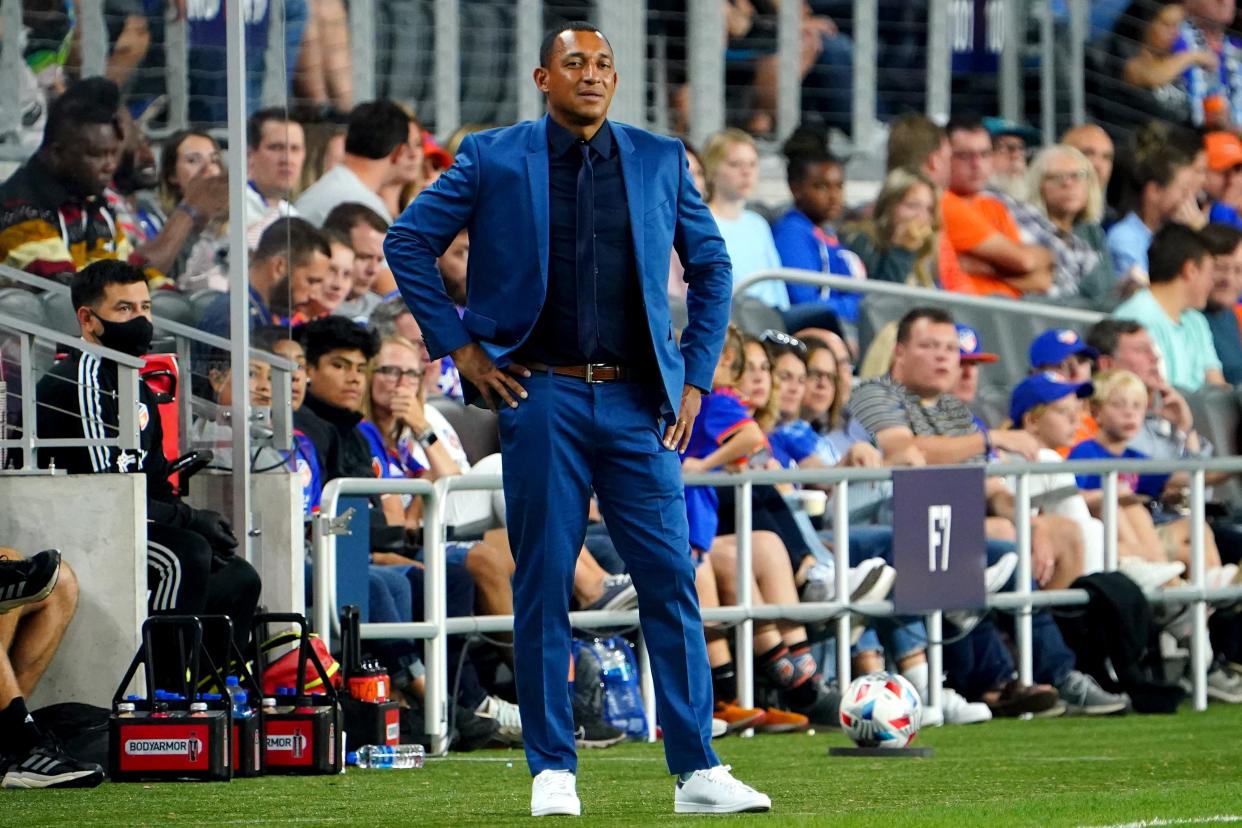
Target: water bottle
point(239, 699)
point(386, 756)
point(623, 704)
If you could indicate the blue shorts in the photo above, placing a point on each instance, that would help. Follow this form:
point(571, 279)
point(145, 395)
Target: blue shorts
point(454, 553)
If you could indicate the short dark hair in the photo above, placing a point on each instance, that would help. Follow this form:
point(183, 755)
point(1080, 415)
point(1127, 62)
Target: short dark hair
point(938, 316)
point(292, 237)
point(255, 123)
point(549, 39)
point(801, 162)
point(345, 217)
point(91, 101)
point(376, 128)
point(337, 333)
point(965, 123)
point(90, 283)
point(1220, 239)
point(1105, 334)
point(911, 141)
point(1173, 246)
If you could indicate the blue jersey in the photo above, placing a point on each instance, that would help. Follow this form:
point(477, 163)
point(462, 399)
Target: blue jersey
point(304, 462)
point(722, 413)
point(795, 440)
point(383, 463)
point(1151, 485)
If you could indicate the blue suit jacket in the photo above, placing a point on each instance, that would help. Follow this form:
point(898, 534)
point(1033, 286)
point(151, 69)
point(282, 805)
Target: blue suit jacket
point(498, 190)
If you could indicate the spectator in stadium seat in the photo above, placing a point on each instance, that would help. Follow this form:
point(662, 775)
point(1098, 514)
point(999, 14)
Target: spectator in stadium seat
point(1215, 92)
point(275, 153)
point(1154, 25)
point(1011, 144)
point(912, 405)
point(393, 317)
point(731, 166)
point(365, 230)
point(1062, 213)
point(325, 143)
point(1063, 351)
point(194, 196)
point(1224, 244)
point(1095, 145)
point(54, 219)
point(1163, 182)
point(328, 295)
point(192, 567)
point(1181, 280)
point(817, 181)
point(1223, 184)
point(901, 240)
point(378, 152)
point(413, 169)
point(981, 229)
point(288, 266)
point(137, 175)
point(43, 594)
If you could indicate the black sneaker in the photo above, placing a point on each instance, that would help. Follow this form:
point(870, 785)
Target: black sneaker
point(48, 766)
point(474, 731)
point(28, 580)
point(591, 731)
point(826, 708)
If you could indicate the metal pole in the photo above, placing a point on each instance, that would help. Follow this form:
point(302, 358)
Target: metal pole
point(705, 32)
point(935, 658)
point(94, 37)
point(448, 67)
point(744, 650)
point(939, 61)
point(11, 61)
point(529, 32)
point(362, 45)
point(648, 686)
point(29, 417)
point(866, 48)
point(841, 558)
point(177, 69)
point(1077, 62)
point(435, 699)
point(1047, 74)
point(789, 68)
point(239, 272)
point(625, 24)
point(1022, 521)
point(1011, 105)
point(1200, 653)
point(1110, 521)
point(275, 74)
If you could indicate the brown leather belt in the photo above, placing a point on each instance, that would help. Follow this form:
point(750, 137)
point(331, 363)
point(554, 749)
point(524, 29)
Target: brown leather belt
point(594, 372)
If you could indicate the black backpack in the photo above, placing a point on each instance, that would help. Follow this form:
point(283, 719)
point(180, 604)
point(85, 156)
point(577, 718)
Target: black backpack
point(81, 729)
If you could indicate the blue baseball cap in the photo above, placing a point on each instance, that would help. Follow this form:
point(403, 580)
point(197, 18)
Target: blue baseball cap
point(1041, 389)
point(1054, 346)
point(969, 346)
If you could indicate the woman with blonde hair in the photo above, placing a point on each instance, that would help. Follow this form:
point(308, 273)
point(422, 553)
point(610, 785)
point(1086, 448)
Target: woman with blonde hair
point(901, 240)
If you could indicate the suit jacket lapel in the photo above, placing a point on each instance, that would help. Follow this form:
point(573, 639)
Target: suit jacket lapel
point(635, 193)
point(537, 179)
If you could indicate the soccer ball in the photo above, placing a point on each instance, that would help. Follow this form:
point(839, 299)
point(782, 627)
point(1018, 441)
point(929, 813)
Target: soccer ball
point(881, 710)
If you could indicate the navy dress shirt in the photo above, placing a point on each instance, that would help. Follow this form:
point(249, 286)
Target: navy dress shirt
point(621, 319)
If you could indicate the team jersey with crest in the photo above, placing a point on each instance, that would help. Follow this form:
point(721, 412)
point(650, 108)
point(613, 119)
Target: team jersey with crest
point(721, 414)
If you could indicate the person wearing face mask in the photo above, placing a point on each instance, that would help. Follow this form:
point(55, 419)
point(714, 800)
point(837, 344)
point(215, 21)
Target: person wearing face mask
point(191, 563)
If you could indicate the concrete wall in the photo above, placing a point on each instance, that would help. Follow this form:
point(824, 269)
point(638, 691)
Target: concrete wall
point(279, 554)
point(98, 522)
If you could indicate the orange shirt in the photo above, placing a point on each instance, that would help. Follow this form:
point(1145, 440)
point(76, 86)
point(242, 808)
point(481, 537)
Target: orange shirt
point(1087, 429)
point(968, 221)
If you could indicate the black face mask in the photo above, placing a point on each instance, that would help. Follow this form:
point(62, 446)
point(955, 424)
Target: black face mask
point(132, 337)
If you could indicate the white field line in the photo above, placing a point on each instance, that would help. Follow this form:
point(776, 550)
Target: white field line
point(1157, 822)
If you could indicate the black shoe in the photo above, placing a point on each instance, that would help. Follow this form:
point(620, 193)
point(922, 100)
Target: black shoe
point(825, 710)
point(48, 766)
point(28, 580)
point(591, 731)
point(474, 731)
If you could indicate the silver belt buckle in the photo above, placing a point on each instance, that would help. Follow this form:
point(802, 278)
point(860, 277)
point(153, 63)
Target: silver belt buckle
point(590, 372)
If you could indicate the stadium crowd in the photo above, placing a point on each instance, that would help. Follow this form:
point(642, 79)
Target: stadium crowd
point(1146, 231)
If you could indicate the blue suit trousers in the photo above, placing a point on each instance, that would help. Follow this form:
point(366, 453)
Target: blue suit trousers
point(567, 439)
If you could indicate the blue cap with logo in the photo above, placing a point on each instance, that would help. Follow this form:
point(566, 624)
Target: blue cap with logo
point(1054, 346)
point(1041, 389)
point(969, 346)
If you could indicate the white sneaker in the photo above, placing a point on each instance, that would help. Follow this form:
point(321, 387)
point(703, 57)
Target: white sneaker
point(1150, 575)
point(506, 715)
point(958, 711)
point(553, 794)
point(931, 717)
point(719, 727)
point(1220, 576)
point(865, 586)
point(715, 791)
point(999, 573)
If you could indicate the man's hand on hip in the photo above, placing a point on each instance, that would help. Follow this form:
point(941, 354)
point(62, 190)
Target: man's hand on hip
point(677, 436)
point(493, 383)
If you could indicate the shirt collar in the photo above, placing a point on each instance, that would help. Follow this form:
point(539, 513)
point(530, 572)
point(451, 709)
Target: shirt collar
point(561, 141)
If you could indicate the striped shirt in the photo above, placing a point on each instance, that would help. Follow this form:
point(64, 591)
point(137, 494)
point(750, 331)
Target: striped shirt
point(884, 403)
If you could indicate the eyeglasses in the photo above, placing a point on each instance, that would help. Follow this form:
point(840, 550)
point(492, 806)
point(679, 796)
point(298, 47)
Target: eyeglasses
point(396, 373)
point(816, 375)
point(1075, 176)
point(780, 339)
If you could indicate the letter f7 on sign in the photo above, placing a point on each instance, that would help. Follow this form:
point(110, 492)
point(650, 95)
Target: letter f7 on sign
point(939, 532)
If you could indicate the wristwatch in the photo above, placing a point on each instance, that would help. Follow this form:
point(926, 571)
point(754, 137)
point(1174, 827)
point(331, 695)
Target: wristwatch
point(427, 438)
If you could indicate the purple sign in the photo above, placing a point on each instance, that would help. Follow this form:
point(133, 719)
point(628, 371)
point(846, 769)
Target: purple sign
point(938, 541)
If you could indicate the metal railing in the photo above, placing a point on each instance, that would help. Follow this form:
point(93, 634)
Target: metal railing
point(29, 442)
point(1022, 601)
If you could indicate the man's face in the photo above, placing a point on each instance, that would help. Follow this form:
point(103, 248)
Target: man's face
point(453, 266)
point(306, 282)
point(86, 161)
point(136, 168)
point(331, 292)
point(1009, 156)
point(368, 244)
point(970, 166)
point(967, 385)
point(928, 362)
point(1136, 353)
point(580, 78)
point(1200, 279)
point(120, 303)
point(338, 377)
point(821, 195)
point(276, 164)
point(1226, 280)
point(1094, 143)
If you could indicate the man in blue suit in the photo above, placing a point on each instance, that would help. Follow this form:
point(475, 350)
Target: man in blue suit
point(566, 329)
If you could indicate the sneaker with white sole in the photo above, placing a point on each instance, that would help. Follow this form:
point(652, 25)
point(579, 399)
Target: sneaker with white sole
point(1150, 575)
point(554, 793)
point(715, 791)
point(28, 580)
point(958, 711)
point(1083, 696)
point(1224, 685)
point(996, 576)
point(719, 728)
point(48, 766)
point(506, 715)
point(619, 594)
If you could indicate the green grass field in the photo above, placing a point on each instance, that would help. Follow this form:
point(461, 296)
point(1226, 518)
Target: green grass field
point(1183, 770)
